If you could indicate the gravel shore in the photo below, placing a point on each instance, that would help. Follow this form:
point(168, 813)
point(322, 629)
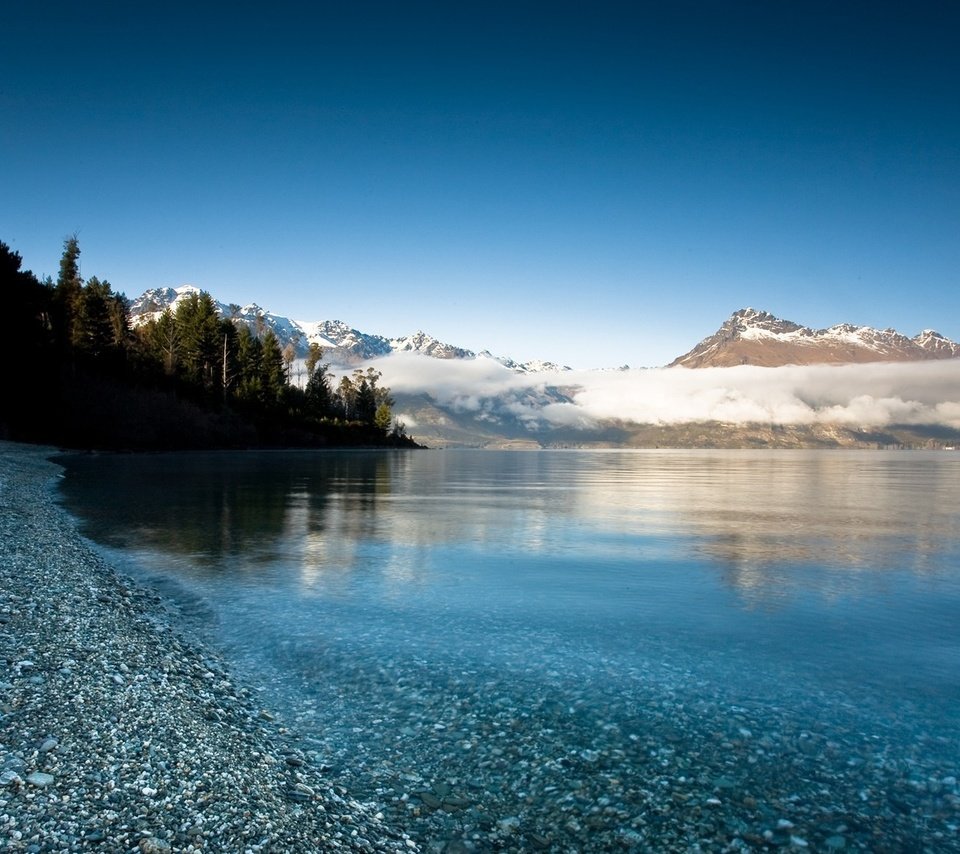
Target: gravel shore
point(120, 733)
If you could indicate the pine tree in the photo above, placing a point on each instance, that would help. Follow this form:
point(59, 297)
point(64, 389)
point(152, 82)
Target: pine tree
point(92, 332)
point(366, 401)
point(202, 345)
point(119, 311)
point(67, 292)
point(249, 366)
point(163, 341)
point(319, 396)
point(274, 375)
point(69, 279)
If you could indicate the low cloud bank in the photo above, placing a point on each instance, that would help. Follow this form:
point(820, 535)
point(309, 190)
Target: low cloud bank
point(871, 395)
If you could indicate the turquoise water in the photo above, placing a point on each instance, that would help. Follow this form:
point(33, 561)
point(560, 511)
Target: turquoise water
point(582, 650)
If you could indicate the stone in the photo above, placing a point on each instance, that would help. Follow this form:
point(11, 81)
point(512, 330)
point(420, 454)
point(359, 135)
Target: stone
point(40, 779)
point(430, 800)
point(509, 825)
point(10, 778)
point(300, 792)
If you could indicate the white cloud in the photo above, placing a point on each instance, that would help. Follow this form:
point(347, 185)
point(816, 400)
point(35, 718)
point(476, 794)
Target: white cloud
point(865, 395)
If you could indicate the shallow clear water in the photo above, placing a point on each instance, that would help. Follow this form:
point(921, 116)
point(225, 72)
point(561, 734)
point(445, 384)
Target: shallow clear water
point(664, 649)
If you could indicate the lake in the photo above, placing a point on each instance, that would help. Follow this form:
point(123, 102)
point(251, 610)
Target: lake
point(581, 650)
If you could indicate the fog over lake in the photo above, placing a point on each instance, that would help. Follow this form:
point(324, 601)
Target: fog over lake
point(859, 395)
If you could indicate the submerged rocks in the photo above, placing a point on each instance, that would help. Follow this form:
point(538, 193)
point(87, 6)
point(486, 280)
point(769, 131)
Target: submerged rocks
point(118, 731)
point(652, 760)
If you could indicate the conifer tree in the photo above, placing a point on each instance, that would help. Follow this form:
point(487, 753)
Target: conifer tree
point(92, 331)
point(202, 345)
point(249, 366)
point(119, 313)
point(366, 401)
point(319, 395)
point(67, 293)
point(163, 341)
point(69, 279)
point(274, 375)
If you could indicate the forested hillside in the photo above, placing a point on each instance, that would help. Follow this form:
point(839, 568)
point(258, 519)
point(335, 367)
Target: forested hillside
point(76, 374)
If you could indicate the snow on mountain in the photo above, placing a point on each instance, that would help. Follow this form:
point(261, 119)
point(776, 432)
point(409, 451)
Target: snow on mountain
point(342, 344)
point(451, 396)
point(152, 303)
point(747, 337)
point(420, 342)
point(751, 337)
point(535, 366)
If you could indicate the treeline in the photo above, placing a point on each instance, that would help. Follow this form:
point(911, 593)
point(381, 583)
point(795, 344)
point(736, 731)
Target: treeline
point(77, 374)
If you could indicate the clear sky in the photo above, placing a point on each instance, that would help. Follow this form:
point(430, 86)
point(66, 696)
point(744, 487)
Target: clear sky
point(590, 183)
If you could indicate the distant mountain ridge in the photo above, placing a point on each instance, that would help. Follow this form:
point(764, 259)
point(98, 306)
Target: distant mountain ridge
point(748, 337)
point(752, 337)
point(342, 344)
point(552, 407)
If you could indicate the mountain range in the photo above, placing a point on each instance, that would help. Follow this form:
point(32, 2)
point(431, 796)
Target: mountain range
point(751, 337)
point(775, 384)
point(747, 337)
point(343, 346)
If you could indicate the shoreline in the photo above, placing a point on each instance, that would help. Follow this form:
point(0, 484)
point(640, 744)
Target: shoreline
point(118, 732)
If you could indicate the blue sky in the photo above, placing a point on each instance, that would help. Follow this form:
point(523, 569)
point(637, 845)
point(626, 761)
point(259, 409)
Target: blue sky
point(594, 184)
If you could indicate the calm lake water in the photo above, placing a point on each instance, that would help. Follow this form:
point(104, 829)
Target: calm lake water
point(663, 650)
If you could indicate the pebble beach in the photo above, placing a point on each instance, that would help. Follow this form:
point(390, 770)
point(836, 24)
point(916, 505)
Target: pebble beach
point(120, 733)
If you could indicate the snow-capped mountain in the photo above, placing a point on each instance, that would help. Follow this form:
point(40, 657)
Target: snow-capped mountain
point(420, 342)
point(454, 397)
point(747, 337)
point(152, 303)
point(751, 337)
point(342, 344)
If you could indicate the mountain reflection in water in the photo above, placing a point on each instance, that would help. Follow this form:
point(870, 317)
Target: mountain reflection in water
point(755, 516)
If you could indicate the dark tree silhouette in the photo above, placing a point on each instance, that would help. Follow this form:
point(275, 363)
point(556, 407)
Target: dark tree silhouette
point(74, 373)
